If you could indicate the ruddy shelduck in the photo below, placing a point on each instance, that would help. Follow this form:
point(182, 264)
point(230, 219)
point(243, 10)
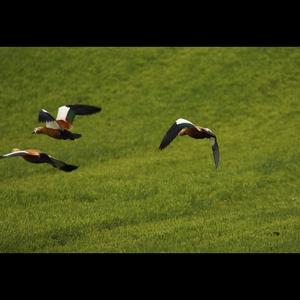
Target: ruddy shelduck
point(38, 157)
point(184, 127)
point(59, 128)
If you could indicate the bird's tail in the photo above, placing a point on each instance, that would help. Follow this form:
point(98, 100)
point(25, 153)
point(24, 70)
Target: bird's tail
point(76, 136)
point(68, 135)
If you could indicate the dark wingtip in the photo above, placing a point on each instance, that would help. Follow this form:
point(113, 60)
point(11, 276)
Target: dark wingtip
point(68, 168)
point(161, 147)
point(82, 109)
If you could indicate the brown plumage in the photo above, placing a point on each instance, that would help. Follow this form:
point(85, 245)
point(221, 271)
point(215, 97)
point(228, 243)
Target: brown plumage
point(196, 132)
point(54, 133)
point(59, 134)
point(38, 157)
point(184, 127)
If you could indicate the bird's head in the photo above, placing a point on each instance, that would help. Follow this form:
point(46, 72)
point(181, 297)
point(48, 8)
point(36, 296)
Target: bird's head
point(36, 130)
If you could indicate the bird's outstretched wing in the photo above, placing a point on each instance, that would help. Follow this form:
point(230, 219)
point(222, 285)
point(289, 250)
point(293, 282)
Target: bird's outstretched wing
point(215, 149)
point(67, 113)
point(45, 117)
point(173, 132)
point(82, 109)
point(57, 163)
point(14, 154)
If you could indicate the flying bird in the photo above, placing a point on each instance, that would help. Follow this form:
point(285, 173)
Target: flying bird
point(38, 157)
point(185, 127)
point(59, 128)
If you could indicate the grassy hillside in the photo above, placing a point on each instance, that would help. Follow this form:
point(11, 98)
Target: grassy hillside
point(127, 196)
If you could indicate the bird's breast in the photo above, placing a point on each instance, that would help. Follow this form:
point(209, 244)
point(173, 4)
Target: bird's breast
point(196, 133)
point(55, 133)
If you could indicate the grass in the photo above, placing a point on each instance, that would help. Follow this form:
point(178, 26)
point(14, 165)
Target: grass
point(127, 196)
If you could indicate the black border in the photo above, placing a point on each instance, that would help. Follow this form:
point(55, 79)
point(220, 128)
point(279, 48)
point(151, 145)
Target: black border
point(148, 38)
point(198, 29)
point(151, 274)
point(155, 26)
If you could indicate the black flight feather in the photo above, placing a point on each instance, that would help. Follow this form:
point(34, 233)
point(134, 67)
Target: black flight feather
point(44, 116)
point(169, 136)
point(82, 109)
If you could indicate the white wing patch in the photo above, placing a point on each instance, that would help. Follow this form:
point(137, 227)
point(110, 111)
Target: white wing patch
point(15, 153)
point(207, 129)
point(52, 125)
point(212, 140)
point(62, 113)
point(183, 121)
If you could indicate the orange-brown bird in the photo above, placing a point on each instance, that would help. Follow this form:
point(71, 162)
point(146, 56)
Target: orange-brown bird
point(59, 128)
point(185, 127)
point(38, 157)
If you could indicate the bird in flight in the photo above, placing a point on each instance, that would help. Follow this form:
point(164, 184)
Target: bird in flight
point(59, 128)
point(185, 127)
point(38, 157)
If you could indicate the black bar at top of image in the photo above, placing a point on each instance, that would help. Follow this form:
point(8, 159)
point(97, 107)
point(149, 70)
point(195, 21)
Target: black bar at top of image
point(187, 34)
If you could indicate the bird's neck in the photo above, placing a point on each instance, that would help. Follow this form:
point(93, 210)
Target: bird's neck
point(41, 130)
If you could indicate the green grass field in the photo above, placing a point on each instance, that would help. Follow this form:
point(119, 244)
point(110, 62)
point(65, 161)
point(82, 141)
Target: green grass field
point(127, 196)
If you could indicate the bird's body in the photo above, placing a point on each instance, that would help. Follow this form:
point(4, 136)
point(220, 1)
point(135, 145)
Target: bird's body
point(59, 134)
point(54, 133)
point(195, 132)
point(184, 127)
point(33, 156)
point(38, 157)
point(59, 128)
